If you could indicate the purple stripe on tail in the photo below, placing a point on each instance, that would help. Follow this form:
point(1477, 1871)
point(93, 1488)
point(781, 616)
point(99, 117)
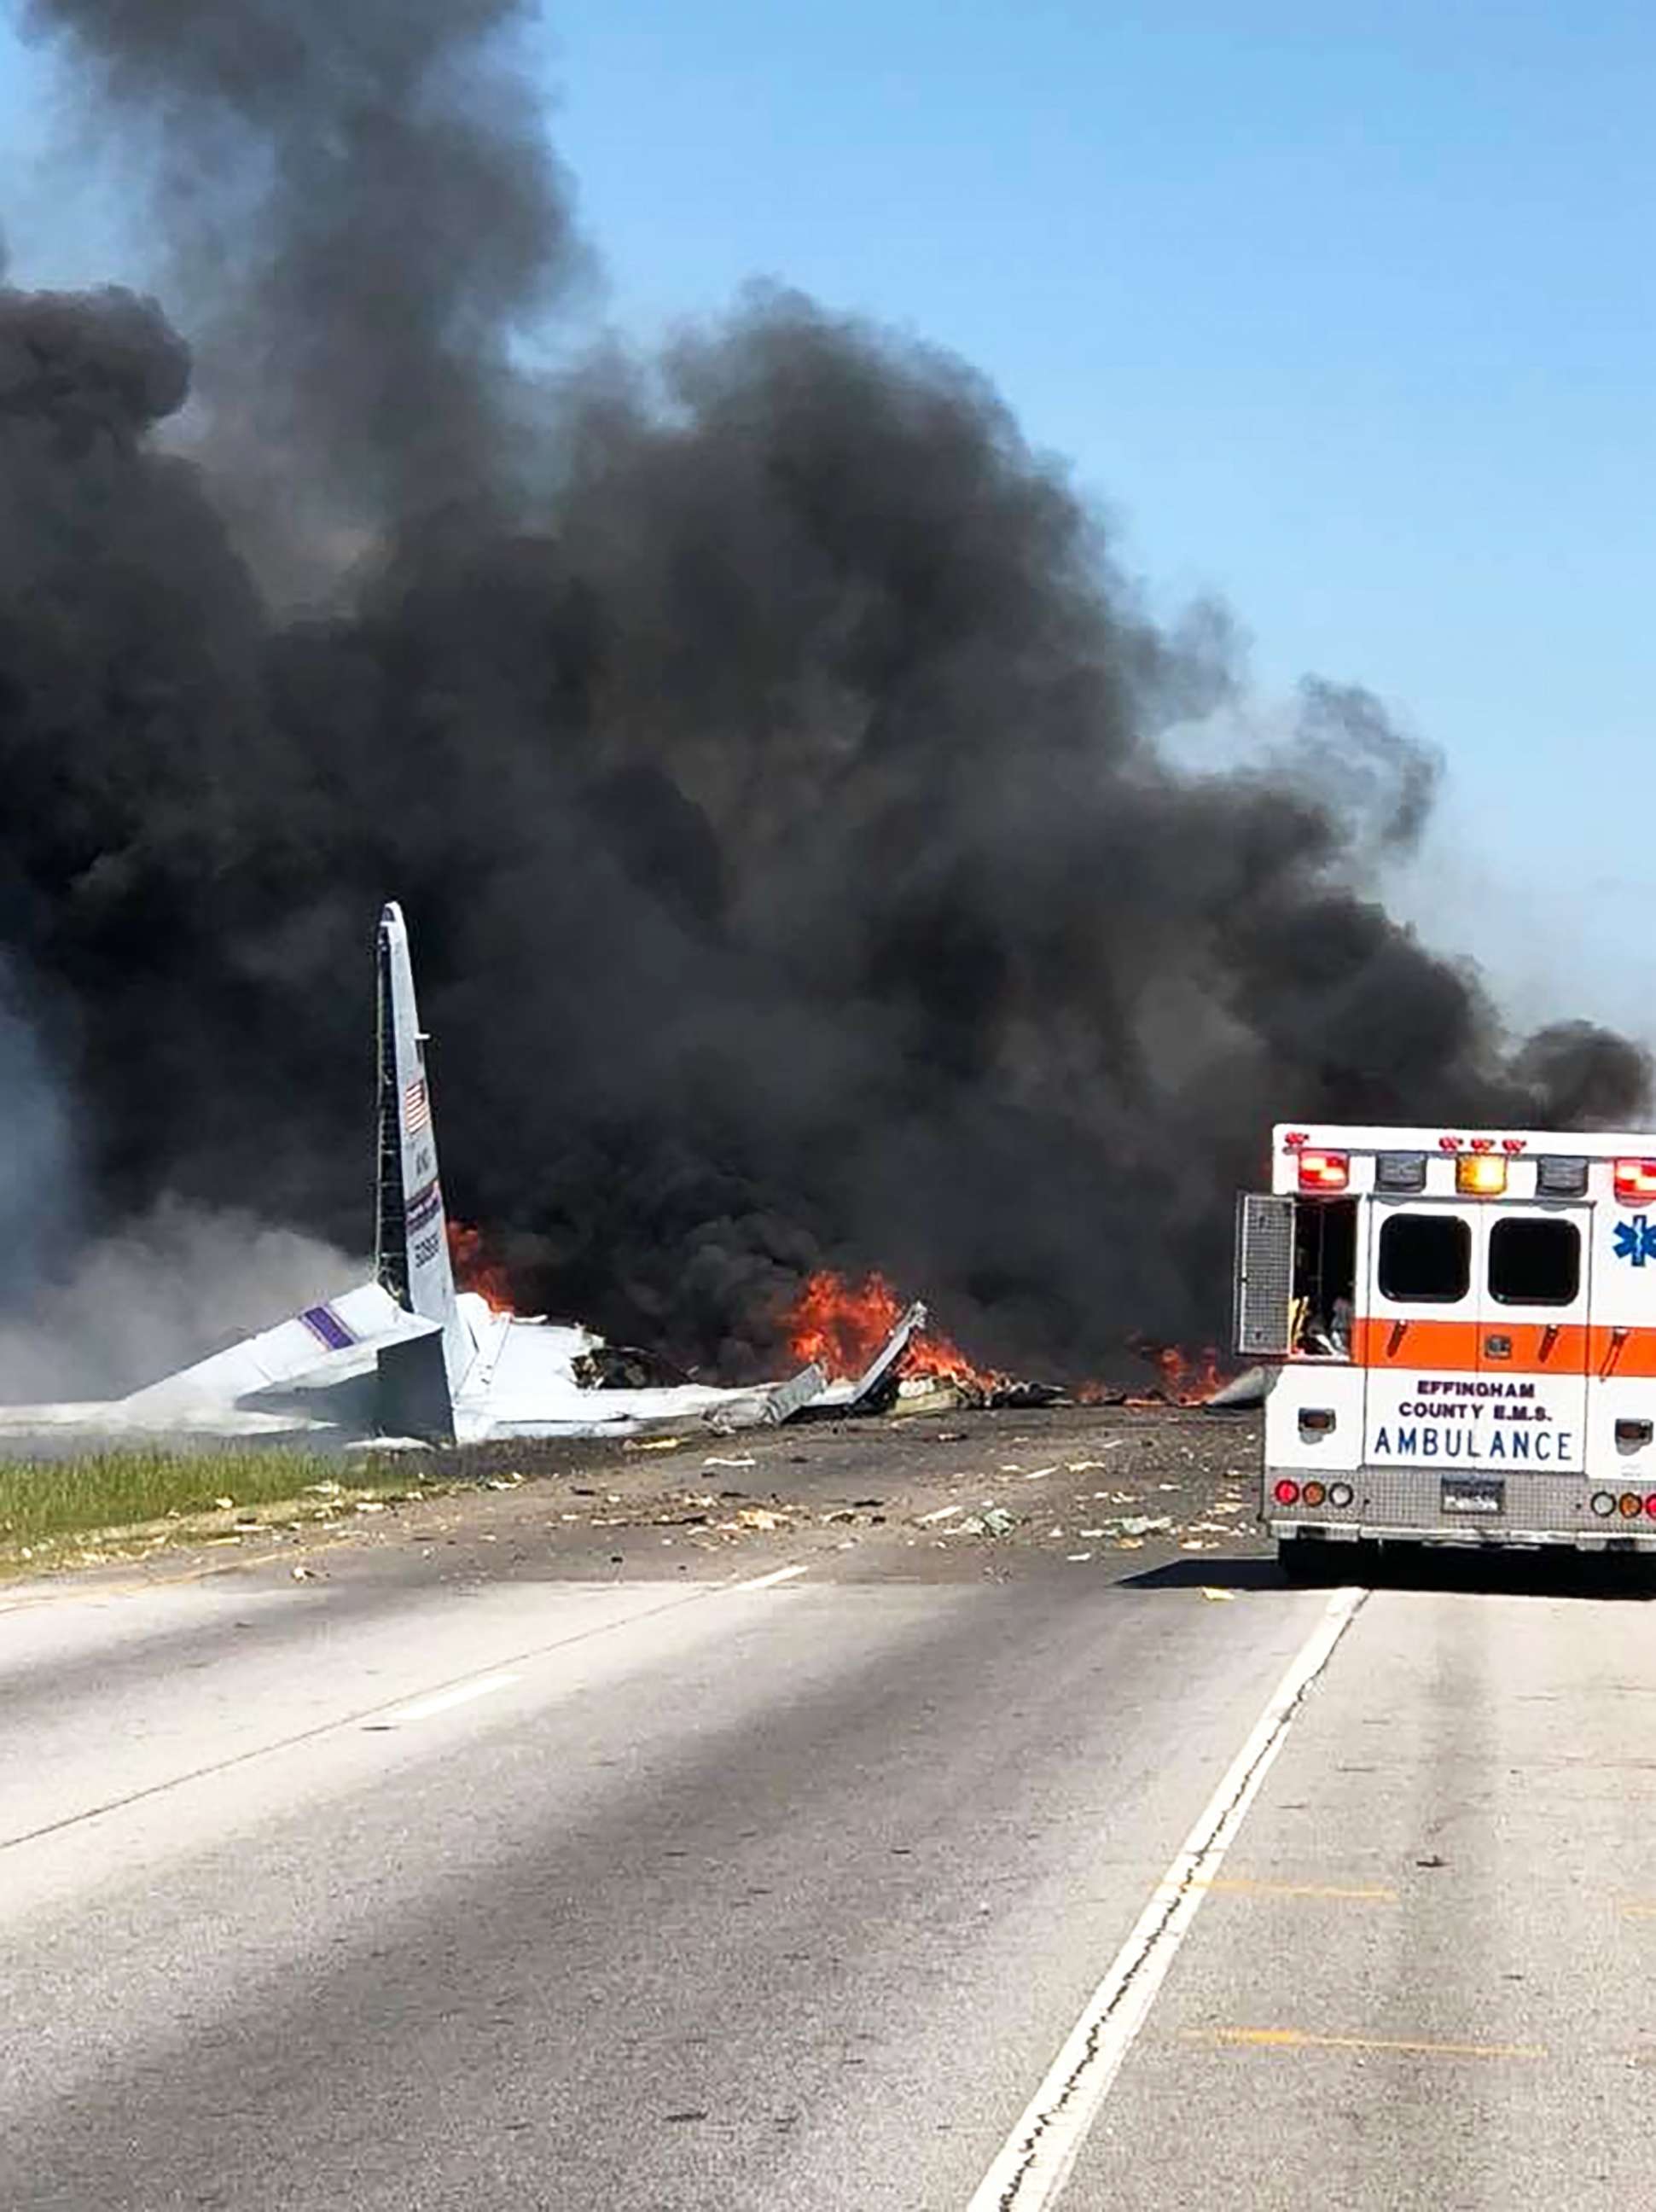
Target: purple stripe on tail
point(323, 1321)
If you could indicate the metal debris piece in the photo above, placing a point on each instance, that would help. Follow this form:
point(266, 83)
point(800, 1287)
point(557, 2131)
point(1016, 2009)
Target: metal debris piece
point(924, 1393)
point(626, 1367)
point(1248, 1389)
point(1012, 1394)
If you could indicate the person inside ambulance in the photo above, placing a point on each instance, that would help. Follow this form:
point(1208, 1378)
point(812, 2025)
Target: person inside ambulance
point(1322, 1335)
point(1324, 1278)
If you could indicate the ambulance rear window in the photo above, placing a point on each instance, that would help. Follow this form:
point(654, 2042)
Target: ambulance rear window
point(1535, 1263)
point(1425, 1259)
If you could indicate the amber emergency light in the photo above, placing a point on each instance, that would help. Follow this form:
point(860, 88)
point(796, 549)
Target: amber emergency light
point(1480, 1174)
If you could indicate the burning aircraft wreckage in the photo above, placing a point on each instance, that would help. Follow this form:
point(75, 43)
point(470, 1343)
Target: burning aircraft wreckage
point(410, 1355)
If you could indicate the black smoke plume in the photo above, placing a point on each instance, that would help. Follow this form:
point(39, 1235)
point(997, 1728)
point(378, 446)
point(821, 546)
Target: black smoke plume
point(761, 739)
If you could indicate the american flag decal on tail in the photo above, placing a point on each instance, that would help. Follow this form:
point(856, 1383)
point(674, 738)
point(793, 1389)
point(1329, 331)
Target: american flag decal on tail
point(417, 1106)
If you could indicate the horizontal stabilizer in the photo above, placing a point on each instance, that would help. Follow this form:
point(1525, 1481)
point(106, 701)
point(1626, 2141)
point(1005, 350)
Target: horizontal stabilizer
point(316, 1349)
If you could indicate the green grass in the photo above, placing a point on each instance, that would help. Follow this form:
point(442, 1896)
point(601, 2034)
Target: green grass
point(44, 1502)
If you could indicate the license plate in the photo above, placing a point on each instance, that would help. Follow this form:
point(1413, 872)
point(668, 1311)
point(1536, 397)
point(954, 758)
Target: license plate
point(1471, 1494)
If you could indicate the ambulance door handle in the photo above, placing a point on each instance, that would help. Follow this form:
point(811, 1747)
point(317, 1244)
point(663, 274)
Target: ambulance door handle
point(1549, 1338)
point(1497, 1347)
point(1400, 1330)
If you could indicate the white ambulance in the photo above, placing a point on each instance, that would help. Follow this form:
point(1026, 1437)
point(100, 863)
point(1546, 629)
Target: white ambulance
point(1460, 1329)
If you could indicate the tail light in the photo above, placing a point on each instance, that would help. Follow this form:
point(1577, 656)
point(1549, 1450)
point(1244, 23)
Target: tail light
point(1314, 1493)
point(1629, 1505)
point(1603, 1503)
point(1287, 1492)
point(1340, 1495)
point(1635, 1181)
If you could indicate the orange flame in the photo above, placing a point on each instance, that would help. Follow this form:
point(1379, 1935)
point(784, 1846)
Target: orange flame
point(1185, 1378)
point(476, 1269)
point(842, 1325)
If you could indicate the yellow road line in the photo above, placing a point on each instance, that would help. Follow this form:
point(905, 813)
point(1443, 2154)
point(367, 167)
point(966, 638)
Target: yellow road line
point(1297, 2038)
point(1239, 1885)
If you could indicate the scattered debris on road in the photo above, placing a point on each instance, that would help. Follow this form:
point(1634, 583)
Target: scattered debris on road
point(930, 1496)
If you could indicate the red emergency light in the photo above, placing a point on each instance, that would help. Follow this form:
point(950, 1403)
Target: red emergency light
point(1332, 1171)
point(1635, 1180)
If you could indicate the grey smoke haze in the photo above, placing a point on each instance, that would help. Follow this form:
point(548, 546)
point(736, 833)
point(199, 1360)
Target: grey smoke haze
point(166, 1288)
point(760, 737)
point(38, 1211)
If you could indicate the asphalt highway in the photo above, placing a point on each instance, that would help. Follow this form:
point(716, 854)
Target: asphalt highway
point(465, 1874)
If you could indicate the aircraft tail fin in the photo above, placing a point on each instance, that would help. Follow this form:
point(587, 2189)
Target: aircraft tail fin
point(412, 1258)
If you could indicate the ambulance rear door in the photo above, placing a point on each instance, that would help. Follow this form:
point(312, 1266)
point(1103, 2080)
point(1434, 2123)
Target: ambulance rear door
point(1533, 1338)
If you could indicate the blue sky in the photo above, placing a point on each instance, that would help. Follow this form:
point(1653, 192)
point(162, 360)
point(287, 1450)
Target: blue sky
point(1345, 314)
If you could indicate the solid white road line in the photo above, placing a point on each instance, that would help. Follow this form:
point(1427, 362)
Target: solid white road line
point(770, 1581)
point(1037, 2158)
point(461, 1694)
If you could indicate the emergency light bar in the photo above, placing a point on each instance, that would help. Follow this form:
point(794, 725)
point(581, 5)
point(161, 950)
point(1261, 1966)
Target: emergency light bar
point(1331, 1171)
point(1635, 1180)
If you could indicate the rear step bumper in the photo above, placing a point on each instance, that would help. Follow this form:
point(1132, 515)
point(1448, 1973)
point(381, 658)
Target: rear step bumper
point(1481, 1538)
